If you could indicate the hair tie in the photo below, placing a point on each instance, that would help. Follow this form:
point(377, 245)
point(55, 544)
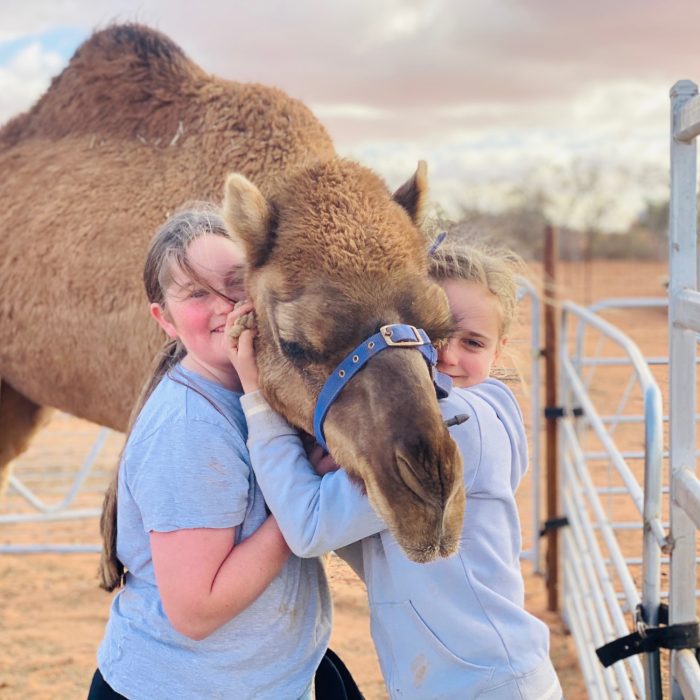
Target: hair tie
point(437, 243)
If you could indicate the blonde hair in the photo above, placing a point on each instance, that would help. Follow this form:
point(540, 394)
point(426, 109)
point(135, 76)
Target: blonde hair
point(494, 268)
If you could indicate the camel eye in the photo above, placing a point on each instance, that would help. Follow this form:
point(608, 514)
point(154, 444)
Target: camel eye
point(294, 351)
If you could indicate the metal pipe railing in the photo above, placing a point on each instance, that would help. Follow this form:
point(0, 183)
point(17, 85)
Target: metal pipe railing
point(684, 314)
point(578, 484)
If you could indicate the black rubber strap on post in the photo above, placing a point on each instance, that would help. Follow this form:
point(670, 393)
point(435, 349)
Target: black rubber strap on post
point(560, 412)
point(553, 524)
point(680, 636)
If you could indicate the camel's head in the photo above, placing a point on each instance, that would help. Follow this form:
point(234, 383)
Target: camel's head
point(332, 257)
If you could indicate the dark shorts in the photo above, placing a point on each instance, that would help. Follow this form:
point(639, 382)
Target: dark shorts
point(101, 690)
point(333, 682)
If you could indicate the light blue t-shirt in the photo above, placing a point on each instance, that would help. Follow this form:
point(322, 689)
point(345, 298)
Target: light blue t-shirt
point(185, 465)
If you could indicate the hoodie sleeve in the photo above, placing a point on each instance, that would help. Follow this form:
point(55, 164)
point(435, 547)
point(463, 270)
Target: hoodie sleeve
point(506, 407)
point(315, 514)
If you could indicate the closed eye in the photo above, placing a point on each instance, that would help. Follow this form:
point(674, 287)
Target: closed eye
point(295, 352)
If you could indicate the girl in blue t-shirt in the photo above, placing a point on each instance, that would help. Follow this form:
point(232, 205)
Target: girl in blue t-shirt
point(453, 628)
point(213, 605)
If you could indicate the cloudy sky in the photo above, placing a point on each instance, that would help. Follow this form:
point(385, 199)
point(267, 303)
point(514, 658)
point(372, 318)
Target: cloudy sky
point(499, 96)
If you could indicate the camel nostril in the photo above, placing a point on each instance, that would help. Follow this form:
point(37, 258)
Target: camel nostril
point(407, 472)
point(422, 473)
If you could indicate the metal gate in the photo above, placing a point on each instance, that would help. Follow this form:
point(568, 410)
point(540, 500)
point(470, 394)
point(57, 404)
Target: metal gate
point(684, 325)
point(605, 580)
point(53, 483)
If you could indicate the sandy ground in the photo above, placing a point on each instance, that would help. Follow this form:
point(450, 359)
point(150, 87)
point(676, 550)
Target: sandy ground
point(52, 614)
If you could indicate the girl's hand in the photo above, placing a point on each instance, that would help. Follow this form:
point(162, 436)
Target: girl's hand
point(321, 461)
point(240, 332)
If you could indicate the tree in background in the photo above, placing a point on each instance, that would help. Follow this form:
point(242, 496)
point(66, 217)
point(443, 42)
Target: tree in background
point(584, 195)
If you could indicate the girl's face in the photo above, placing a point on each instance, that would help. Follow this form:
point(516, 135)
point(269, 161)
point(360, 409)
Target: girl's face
point(471, 352)
point(196, 315)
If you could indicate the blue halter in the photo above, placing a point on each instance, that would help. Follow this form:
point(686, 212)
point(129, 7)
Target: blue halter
point(395, 335)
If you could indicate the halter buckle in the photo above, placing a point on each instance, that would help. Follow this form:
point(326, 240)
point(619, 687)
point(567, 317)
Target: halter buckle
point(387, 332)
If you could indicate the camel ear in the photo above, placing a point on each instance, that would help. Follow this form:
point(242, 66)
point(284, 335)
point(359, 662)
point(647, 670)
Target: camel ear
point(248, 217)
point(413, 194)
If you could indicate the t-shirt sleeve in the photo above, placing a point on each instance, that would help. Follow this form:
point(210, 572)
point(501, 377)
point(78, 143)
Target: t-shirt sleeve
point(188, 474)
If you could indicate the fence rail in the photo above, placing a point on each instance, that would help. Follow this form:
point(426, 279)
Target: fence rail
point(599, 588)
point(55, 492)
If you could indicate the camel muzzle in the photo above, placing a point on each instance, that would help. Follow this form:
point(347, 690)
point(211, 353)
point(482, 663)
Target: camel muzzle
point(395, 335)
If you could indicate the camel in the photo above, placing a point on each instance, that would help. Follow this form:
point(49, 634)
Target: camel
point(127, 133)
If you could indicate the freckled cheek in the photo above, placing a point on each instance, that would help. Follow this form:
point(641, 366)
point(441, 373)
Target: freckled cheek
point(197, 318)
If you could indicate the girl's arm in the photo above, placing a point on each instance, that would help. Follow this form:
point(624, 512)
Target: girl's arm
point(190, 478)
point(315, 513)
point(205, 581)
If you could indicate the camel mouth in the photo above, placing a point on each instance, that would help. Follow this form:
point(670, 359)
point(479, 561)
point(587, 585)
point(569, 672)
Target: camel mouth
point(423, 555)
point(436, 529)
point(449, 546)
point(446, 547)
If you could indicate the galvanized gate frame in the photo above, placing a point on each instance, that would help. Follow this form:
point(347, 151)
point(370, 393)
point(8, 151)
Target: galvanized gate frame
point(62, 510)
point(591, 605)
point(684, 324)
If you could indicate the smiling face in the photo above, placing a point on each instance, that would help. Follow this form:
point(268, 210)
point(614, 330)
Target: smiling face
point(476, 343)
point(196, 306)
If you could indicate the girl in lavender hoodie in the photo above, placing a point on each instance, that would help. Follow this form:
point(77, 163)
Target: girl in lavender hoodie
point(455, 627)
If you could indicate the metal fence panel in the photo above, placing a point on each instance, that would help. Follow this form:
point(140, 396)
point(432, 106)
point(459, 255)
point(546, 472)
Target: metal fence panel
point(684, 321)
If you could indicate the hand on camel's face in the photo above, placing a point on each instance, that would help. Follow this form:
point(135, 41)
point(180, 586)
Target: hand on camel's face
point(240, 332)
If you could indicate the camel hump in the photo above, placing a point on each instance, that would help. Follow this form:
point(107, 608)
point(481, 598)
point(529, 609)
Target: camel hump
point(148, 46)
point(114, 84)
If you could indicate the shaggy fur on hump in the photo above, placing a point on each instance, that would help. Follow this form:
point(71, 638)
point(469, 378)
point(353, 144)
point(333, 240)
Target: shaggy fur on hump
point(130, 131)
point(129, 82)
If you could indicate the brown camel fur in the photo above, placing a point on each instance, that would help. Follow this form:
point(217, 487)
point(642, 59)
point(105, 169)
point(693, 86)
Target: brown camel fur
point(128, 132)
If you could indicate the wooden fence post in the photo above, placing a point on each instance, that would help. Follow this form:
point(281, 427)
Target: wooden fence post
point(551, 349)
